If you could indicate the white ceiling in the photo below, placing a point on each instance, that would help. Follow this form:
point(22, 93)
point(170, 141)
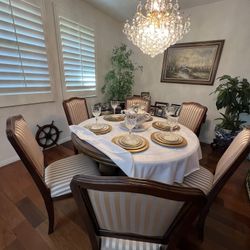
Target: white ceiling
point(124, 9)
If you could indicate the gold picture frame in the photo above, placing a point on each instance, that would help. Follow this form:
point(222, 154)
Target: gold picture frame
point(192, 63)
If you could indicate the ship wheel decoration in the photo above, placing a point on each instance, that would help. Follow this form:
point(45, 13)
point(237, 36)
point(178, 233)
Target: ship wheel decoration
point(47, 135)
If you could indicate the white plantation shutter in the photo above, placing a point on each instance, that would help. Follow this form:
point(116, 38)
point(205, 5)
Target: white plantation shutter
point(23, 53)
point(78, 56)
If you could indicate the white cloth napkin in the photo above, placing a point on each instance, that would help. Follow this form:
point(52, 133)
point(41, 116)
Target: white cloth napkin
point(122, 158)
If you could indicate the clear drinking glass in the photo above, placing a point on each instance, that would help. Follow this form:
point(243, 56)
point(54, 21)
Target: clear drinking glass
point(130, 122)
point(173, 121)
point(170, 111)
point(96, 111)
point(114, 105)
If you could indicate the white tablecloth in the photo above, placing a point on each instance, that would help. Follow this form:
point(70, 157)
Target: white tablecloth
point(167, 165)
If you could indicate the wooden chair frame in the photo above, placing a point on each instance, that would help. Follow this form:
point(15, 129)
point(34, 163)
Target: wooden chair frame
point(39, 181)
point(203, 116)
point(65, 107)
point(216, 189)
point(138, 98)
point(194, 201)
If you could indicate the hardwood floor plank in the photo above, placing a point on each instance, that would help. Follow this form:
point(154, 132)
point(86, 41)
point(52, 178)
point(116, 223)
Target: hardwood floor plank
point(29, 238)
point(9, 212)
point(6, 235)
point(15, 245)
point(220, 233)
point(30, 212)
point(67, 235)
point(34, 195)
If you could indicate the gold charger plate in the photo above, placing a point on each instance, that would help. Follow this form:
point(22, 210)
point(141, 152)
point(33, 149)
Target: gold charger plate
point(138, 149)
point(163, 126)
point(156, 140)
point(122, 141)
point(114, 118)
point(106, 129)
point(161, 137)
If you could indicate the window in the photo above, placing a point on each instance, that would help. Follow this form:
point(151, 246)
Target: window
point(78, 57)
point(24, 70)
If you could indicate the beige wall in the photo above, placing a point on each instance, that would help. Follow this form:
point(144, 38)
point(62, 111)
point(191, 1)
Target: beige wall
point(227, 20)
point(108, 34)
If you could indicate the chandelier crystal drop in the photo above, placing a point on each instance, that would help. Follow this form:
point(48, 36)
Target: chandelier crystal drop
point(156, 26)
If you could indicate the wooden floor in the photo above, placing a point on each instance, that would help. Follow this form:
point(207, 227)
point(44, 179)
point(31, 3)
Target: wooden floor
point(24, 224)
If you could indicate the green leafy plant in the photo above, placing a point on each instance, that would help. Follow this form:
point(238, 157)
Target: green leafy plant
point(119, 80)
point(233, 94)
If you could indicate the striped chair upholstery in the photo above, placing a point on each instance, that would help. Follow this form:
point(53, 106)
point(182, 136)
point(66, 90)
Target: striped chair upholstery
point(239, 144)
point(120, 244)
point(59, 174)
point(134, 213)
point(30, 145)
point(76, 110)
point(204, 179)
point(137, 101)
point(192, 115)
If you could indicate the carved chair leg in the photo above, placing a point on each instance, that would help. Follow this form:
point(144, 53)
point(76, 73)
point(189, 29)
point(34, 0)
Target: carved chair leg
point(200, 226)
point(50, 210)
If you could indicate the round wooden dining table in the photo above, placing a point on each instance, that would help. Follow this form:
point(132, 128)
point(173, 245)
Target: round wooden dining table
point(159, 163)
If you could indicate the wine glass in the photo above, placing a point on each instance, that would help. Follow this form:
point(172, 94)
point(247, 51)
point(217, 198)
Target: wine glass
point(96, 111)
point(170, 111)
point(173, 121)
point(130, 122)
point(114, 105)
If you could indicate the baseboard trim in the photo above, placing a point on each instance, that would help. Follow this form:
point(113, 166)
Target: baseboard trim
point(61, 141)
point(9, 161)
point(16, 157)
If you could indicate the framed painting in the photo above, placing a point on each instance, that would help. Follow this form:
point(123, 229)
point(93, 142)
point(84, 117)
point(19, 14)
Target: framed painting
point(192, 63)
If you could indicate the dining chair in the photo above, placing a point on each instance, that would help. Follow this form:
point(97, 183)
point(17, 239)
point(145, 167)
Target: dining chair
point(126, 213)
point(130, 101)
point(211, 184)
point(76, 110)
point(52, 180)
point(192, 115)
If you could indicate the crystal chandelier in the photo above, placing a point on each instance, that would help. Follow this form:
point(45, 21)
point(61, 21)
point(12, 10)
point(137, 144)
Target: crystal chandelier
point(156, 26)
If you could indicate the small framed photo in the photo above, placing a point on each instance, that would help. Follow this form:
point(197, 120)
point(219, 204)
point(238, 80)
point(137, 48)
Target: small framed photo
point(177, 108)
point(159, 111)
point(161, 107)
point(146, 95)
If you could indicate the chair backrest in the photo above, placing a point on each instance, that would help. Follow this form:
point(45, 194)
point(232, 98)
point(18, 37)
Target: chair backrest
point(192, 115)
point(76, 110)
point(137, 101)
point(133, 209)
point(23, 141)
point(233, 156)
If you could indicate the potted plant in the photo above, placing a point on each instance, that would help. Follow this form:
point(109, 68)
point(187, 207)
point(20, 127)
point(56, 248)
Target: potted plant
point(233, 94)
point(119, 80)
